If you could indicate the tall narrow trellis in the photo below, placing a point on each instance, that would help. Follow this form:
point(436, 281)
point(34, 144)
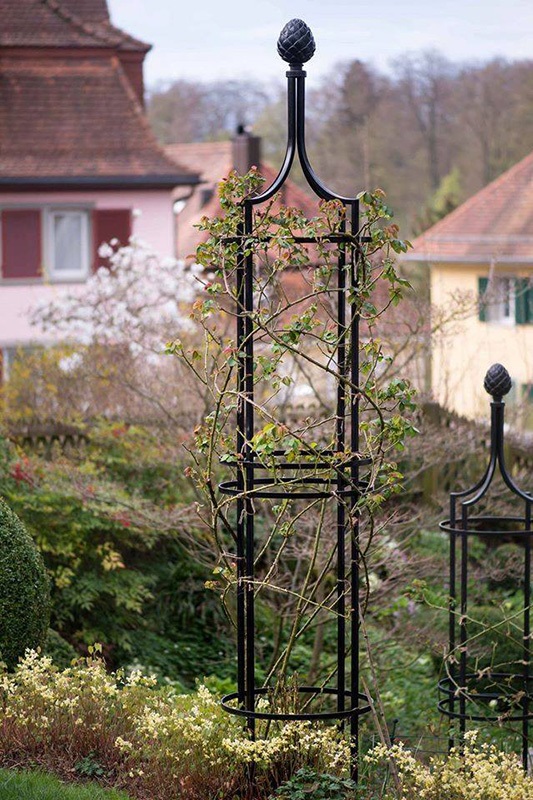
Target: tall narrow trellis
point(469, 693)
point(343, 485)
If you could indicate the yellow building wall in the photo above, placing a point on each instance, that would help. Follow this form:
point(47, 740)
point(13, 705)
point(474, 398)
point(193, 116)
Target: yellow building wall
point(463, 347)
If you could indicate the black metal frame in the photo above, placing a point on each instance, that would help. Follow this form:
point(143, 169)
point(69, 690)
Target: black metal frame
point(343, 484)
point(462, 690)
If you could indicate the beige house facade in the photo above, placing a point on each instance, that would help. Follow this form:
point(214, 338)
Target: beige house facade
point(480, 262)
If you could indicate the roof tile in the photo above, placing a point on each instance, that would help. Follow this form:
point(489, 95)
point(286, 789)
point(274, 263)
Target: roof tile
point(496, 224)
point(65, 117)
point(62, 23)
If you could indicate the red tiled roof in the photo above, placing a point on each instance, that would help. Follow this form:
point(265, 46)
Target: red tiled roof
point(88, 10)
point(65, 118)
point(62, 23)
point(496, 224)
point(214, 161)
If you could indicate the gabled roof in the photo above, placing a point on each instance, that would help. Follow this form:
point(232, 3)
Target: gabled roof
point(495, 225)
point(77, 120)
point(214, 161)
point(62, 23)
point(70, 116)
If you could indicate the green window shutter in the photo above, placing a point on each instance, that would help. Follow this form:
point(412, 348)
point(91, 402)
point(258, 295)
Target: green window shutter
point(529, 301)
point(522, 301)
point(482, 284)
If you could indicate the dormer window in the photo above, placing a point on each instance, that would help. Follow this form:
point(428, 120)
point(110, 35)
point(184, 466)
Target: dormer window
point(68, 247)
point(206, 195)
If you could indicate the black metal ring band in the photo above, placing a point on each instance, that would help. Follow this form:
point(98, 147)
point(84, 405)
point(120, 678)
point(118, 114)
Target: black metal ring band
point(441, 705)
point(469, 695)
point(335, 463)
point(338, 465)
point(447, 528)
point(284, 492)
point(319, 715)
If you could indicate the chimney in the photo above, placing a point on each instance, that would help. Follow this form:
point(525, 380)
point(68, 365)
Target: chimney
point(246, 150)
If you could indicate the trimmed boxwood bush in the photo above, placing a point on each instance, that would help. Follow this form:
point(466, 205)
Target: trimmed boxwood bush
point(24, 590)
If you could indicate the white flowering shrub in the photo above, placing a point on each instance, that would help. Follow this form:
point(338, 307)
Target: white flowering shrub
point(137, 300)
point(111, 334)
point(479, 773)
point(163, 745)
point(152, 742)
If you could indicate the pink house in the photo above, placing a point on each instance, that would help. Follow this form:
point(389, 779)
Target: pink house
point(79, 164)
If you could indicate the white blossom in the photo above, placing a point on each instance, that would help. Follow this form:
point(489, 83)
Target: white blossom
point(136, 301)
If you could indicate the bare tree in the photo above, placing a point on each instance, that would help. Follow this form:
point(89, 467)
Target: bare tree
point(487, 99)
point(425, 80)
point(188, 111)
point(361, 91)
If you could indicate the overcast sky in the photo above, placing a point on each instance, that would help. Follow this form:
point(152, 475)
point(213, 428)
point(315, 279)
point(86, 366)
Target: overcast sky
point(210, 39)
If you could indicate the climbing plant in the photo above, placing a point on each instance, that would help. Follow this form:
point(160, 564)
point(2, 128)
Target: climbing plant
point(296, 342)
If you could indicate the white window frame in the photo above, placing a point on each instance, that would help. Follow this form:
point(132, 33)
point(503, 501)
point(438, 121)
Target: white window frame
point(495, 307)
point(49, 220)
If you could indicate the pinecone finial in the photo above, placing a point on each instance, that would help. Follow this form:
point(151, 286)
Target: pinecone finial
point(497, 381)
point(296, 44)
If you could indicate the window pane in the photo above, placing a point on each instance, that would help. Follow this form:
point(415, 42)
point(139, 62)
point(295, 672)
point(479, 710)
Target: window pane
point(501, 300)
point(68, 243)
point(505, 289)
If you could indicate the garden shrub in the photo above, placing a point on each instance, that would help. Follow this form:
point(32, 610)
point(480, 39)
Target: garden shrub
point(121, 568)
point(480, 773)
point(24, 590)
point(182, 657)
point(307, 784)
point(152, 742)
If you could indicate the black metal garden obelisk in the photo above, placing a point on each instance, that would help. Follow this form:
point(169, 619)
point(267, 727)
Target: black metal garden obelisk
point(472, 690)
point(296, 46)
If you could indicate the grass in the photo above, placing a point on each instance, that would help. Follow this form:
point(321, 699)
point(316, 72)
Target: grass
point(38, 786)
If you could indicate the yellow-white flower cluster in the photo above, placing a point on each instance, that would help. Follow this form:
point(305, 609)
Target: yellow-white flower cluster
point(154, 728)
point(478, 773)
point(293, 739)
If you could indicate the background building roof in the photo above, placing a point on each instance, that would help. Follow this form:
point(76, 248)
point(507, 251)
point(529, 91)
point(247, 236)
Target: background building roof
point(496, 224)
point(63, 118)
point(214, 161)
point(62, 23)
point(71, 101)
